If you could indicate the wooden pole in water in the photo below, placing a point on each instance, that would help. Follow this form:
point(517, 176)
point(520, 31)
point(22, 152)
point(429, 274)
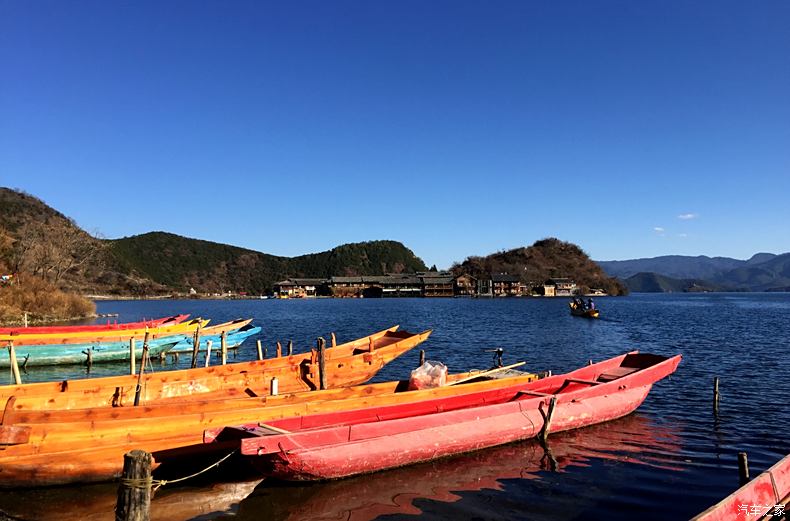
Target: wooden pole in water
point(139, 387)
point(290, 347)
point(260, 350)
point(321, 363)
point(422, 357)
point(333, 339)
point(132, 357)
point(195, 347)
point(134, 492)
point(279, 350)
point(544, 432)
point(14, 363)
point(715, 395)
point(208, 352)
point(743, 468)
point(223, 340)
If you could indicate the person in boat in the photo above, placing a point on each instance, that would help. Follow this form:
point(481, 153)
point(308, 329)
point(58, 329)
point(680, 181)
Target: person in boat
point(590, 303)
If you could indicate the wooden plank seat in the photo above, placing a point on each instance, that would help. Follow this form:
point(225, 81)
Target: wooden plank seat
point(615, 373)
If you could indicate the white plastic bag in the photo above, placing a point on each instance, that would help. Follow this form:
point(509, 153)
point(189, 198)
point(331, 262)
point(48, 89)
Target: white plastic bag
point(428, 375)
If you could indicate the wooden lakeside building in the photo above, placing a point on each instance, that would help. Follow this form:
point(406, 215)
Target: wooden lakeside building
point(422, 284)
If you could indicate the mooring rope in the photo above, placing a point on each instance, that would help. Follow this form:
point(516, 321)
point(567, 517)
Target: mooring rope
point(156, 484)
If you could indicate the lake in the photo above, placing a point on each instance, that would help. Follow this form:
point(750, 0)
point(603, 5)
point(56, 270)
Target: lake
point(670, 460)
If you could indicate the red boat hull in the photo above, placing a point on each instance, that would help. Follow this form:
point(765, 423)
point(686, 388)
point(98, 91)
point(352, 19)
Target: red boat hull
point(758, 498)
point(379, 443)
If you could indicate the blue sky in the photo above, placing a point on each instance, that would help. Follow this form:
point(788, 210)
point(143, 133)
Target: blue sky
point(632, 129)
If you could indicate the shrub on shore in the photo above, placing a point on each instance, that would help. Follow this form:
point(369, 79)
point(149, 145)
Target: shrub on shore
point(41, 300)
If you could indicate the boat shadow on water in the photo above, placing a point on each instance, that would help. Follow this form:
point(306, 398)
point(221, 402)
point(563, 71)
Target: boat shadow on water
point(633, 439)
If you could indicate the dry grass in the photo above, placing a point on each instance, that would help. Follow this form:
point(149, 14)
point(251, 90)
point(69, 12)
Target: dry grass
point(42, 301)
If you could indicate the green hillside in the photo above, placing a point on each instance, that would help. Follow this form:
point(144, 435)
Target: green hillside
point(655, 283)
point(182, 263)
point(545, 259)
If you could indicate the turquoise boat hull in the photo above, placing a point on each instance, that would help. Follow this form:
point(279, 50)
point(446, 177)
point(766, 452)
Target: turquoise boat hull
point(67, 354)
point(234, 340)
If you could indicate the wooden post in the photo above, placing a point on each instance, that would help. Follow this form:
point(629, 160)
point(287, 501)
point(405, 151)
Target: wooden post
point(321, 363)
point(260, 351)
point(589, 362)
point(208, 352)
point(132, 357)
point(275, 389)
point(279, 350)
point(716, 395)
point(544, 432)
point(370, 344)
point(290, 347)
point(25, 319)
point(223, 341)
point(743, 468)
point(139, 388)
point(422, 357)
point(134, 492)
point(14, 363)
point(195, 347)
point(333, 339)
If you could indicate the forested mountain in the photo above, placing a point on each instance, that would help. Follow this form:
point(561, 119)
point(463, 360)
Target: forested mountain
point(545, 259)
point(39, 240)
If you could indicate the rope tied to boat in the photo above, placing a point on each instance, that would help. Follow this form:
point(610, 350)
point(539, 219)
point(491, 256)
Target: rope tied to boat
point(156, 484)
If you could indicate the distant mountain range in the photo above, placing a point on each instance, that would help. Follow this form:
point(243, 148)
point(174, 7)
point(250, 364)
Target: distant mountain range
point(762, 272)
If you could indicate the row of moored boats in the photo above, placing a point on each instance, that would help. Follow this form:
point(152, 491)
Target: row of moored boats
point(303, 416)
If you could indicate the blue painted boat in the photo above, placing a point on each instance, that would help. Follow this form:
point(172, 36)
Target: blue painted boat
point(65, 354)
point(234, 340)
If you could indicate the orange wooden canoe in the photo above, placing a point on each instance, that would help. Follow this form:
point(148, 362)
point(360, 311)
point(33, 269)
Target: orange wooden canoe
point(347, 364)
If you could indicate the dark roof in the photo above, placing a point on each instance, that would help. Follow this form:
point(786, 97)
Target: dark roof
point(438, 280)
point(503, 277)
point(346, 280)
point(284, 283)
point(309, 282)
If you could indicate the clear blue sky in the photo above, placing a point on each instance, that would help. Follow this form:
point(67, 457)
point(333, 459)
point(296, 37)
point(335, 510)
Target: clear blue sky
point(458, 128)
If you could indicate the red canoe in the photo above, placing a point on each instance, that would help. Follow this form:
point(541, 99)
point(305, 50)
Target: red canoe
point(156, 322)
point(336, 445)
point(766, 496)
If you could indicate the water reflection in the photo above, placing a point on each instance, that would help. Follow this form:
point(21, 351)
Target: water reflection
point(97, 502)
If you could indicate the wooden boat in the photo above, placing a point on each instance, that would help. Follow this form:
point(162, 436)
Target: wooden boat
point(65, 354)
point(577, 311)
point(57, 451)
point(83, 337)
point(350, 363)
point(337, 445)
point(762, 497)
point(36, 330)
point(399, 492)
point(235, 336)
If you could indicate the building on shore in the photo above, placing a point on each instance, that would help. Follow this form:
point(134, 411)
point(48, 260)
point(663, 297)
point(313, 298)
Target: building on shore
point(560, 287)
point(506, 285)
point(419, 284)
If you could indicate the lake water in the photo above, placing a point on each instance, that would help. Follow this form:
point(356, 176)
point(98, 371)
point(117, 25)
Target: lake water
point(670, 460)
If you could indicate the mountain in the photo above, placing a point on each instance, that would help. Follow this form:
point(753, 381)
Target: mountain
point(37, 239)
point(674, 266)
point(183, 263)
point(762, 272)
point(545, 259)
point(655, 283)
